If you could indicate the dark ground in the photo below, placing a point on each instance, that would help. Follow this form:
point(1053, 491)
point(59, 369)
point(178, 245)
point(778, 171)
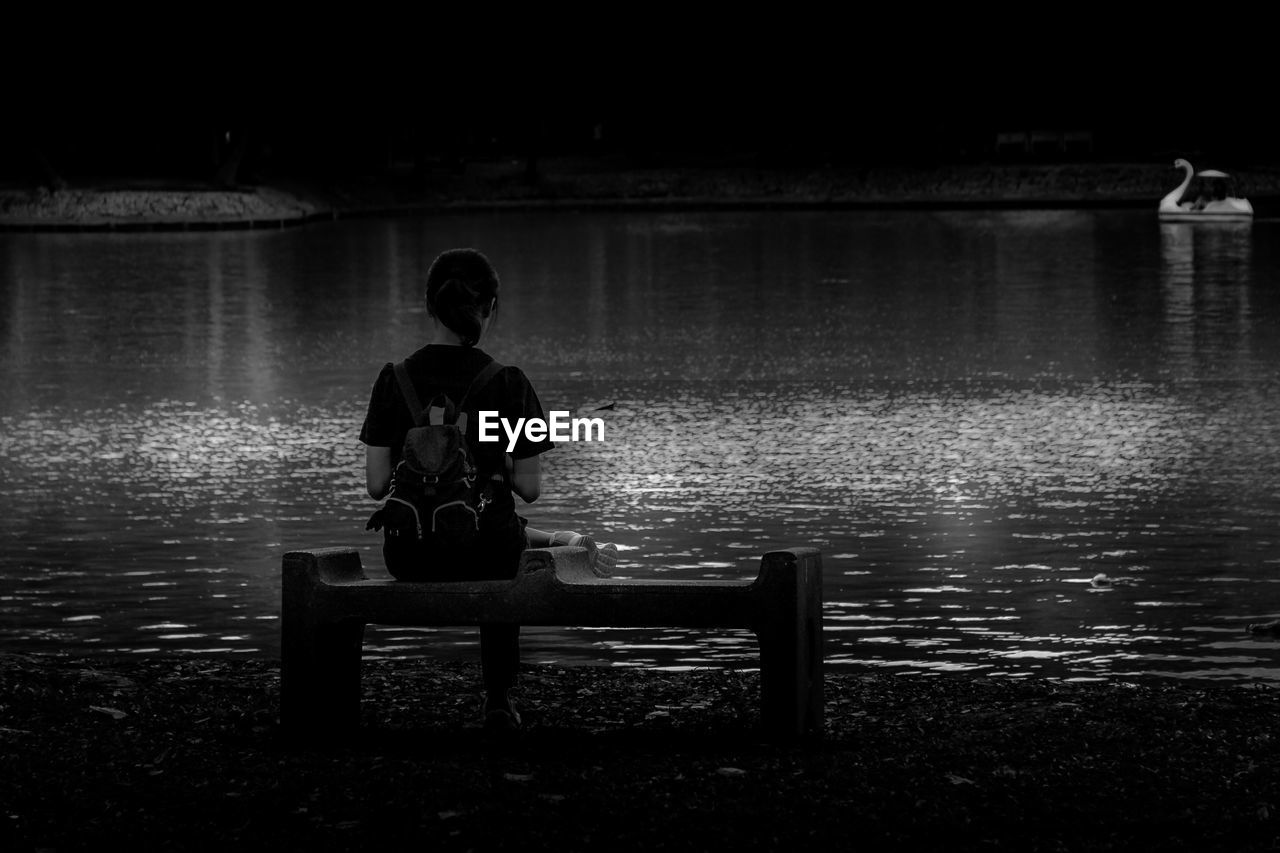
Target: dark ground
point(159, 753)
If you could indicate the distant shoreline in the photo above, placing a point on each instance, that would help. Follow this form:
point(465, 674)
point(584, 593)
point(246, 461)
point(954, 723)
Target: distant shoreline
point(568, 185)
point(290, 220)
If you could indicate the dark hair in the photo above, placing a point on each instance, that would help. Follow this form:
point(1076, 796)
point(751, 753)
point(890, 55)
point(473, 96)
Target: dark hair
point(462, 290)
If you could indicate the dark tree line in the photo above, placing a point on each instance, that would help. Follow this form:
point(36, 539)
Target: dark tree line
point(944, 127)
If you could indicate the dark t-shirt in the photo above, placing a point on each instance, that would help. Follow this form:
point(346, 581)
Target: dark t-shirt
point(442, 369)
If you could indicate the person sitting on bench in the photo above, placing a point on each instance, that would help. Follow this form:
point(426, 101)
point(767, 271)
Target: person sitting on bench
point(462, 298)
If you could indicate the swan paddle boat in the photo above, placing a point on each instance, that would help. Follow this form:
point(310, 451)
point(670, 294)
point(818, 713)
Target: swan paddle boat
point(1215, 200)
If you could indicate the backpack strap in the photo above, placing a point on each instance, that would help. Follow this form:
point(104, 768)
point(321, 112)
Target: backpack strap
point(478, 384)
point(408, 391)
point(482, 379)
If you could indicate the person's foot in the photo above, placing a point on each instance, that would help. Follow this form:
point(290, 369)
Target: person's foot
point(500, 715)
point(602, 558)
point(606, 560)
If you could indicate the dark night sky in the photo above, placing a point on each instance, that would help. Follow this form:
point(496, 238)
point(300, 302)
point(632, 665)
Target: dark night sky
point(889, 84)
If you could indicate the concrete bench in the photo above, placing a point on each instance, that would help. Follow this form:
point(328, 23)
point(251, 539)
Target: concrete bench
point(327, 601)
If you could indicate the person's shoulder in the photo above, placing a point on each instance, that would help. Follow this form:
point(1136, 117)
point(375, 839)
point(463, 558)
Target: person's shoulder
point(511, 384)
point(512, 376)
point(386, 375)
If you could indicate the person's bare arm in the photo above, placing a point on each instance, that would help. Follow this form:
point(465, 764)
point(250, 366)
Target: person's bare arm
point(377, 471)
point(526, 477)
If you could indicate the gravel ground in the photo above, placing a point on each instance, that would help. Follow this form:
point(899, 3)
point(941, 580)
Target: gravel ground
point(169, 753)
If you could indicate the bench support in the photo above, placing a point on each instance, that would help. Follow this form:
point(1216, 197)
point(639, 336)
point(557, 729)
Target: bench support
point(327, 601)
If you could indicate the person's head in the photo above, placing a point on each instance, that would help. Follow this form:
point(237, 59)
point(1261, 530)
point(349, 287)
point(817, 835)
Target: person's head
point(462, 292)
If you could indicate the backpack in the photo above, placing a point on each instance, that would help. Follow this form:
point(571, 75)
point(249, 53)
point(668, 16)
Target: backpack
point(437, 492)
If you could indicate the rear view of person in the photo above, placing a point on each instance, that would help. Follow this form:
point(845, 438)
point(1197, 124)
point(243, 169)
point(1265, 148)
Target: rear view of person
point(453, 379)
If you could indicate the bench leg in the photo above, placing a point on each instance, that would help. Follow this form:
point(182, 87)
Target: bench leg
point(791, 673)
point(320, 678)
point(791, 688)
point(319, 648)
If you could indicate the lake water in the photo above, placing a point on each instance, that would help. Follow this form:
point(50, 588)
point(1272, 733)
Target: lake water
point(973, 414)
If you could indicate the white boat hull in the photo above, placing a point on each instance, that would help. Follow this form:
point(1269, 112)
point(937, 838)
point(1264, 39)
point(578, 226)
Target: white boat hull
point(1206, 216)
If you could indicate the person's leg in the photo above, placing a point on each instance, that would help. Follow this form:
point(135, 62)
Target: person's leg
point(538, 538)
point(500, 643)
point(500, 662)
point(603, 558)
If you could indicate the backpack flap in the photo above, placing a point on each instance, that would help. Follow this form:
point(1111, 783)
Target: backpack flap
point(435, 454)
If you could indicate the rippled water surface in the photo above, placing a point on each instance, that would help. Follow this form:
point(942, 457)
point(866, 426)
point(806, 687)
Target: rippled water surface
point(974, 415)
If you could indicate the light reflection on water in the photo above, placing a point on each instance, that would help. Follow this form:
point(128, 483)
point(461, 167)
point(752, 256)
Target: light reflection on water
point(972, 414)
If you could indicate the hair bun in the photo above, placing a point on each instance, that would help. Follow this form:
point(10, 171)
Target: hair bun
point(460, 288)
